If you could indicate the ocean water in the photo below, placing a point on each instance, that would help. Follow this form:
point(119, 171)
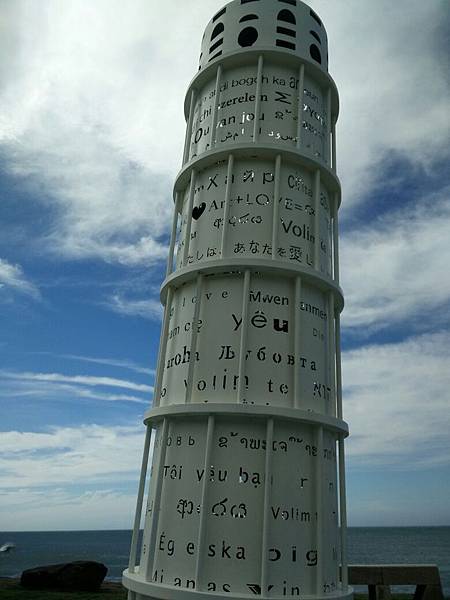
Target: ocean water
point(366, 545)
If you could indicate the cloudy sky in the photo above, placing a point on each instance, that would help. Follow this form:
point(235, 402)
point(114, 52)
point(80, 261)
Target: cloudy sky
point(91, 133)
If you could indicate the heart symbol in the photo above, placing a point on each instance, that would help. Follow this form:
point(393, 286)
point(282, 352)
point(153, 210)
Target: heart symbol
point(197, 211)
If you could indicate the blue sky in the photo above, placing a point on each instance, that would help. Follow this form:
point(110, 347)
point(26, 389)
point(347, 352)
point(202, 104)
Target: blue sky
point(91, 135)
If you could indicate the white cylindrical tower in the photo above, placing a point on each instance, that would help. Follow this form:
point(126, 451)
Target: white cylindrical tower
point(247, 488)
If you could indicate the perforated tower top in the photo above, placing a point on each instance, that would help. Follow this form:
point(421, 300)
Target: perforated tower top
point(285, 25)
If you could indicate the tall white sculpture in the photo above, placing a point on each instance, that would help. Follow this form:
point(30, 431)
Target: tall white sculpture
point(247, 490)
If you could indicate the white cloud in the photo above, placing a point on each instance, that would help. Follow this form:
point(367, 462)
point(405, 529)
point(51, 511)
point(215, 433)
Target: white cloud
point(12, 278)
point(389, 63)
point(77, 379)
point(82, 121)
point(52, 391)
point(148, 309)
point(71, 455)
point(64, 438)
point(112, 362)
point(46, 477)
point(394, 269)
point(397, 402)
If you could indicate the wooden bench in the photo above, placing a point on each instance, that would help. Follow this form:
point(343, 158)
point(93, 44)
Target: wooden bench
point(379, 579)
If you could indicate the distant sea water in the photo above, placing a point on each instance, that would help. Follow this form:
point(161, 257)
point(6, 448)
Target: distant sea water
point(366, 545)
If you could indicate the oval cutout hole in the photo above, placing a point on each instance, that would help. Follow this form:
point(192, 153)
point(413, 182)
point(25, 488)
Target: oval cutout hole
point(315, 53)
point(286, 16)
point(247, 37)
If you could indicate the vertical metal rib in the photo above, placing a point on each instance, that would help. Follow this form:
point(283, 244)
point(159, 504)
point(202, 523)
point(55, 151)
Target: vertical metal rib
point(140, 498)
point(341, 469)
point(327, 152)
point(319, 507)
point(173, 235)
point(333, 141)
point(187, 234)
point(336, 538)
point(187, 141)
point(267, 490)
point(331, 404)
point(226, 206)
point(149, 564)
point(338, 366)
point(297, 313)
point(204, 514)
point(256, 123)
point(343, 515)
point(301, 86)
point(212, 137)
point(244, 330)
point(336, 240)
point(317, 219)
point(162, 349)
point(194, 335)
point(276, 205)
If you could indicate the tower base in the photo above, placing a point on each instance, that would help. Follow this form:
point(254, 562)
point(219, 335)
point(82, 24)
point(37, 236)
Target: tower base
point(139, 589)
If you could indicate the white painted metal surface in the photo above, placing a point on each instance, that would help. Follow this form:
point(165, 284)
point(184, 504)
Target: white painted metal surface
point(247, 486)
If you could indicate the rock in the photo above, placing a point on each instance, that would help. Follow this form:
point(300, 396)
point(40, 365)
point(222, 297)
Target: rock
point(82, 575)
